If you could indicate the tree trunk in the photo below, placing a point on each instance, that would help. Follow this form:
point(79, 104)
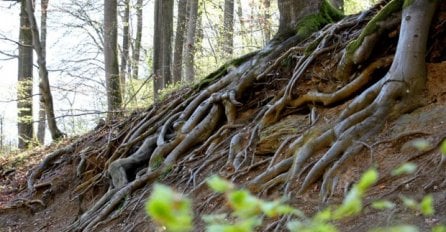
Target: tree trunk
point(162, 44)
point(114, 98)
point(41, 125)
point(228, 28)
point(292, 11)
point(190, 41)
point(266, 21)
point(157, 50)
point(125, 45)
point(44, 84)
point(338, 4)
point(167, 33)
point(177, 66)
point(25, 81)
point(137, 48)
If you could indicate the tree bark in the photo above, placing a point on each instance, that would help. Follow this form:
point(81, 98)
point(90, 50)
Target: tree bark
point(338, 4)
point(167, 33)
point(125, 45)
point(25, 81)
point(44, 84)
point(157, 51)
point(114, 98)
point(137, 48)
point(292, 11)
point(162, 44)
point(177, 66)
point(266, 21)
point(190, 41)
point(228, 28)
point(41, 125)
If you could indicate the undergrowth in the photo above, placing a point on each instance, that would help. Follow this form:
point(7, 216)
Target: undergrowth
point(173, 211)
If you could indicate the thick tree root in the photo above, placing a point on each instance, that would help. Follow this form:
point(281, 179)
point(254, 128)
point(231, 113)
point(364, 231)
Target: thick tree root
point(221, 124)
point(396, 96)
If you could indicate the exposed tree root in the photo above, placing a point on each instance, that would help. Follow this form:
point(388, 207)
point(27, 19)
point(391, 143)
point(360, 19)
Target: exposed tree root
point(396, 96)
point(215, 123)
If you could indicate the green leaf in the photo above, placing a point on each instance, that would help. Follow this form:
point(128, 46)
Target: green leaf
point(443, 147)
point(276, 208)
point(421, 144)
point(215, 218)
point(383, 204)
point(244, 204)
point(439, 228)
point(350, 208)
point(247, 225)
point(169, 209)
point(369, 178)
point(219, 185)
point(427, 206)
point(409, 202)
point(404, 169)
point(352, 204)
point(297, 226)
point(324, 215)
point(402, 228)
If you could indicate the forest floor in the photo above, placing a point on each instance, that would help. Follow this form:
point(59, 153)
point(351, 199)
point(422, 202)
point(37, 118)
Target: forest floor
point(60, 195)
point(18, 213)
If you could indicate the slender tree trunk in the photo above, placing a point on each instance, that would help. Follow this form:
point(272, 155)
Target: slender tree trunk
point(44, 84)
point(157, 51)
point(137, 47)
point(266, 21)
point(41, 125)
point(177, 66)
point(167, 33)
point(190, 41)
point(228, 28)
point(114, 98)
point(199, 31)
point(125, 45)
point(25, 81)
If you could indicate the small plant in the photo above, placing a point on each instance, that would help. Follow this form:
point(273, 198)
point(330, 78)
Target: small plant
point(443, 147)
point(173, 211)
point(170, 209)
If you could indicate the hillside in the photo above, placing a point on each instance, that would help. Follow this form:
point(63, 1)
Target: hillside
point(100, 181)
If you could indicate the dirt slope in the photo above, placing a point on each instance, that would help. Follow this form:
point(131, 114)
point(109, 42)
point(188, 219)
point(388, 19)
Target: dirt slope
point(61, 195)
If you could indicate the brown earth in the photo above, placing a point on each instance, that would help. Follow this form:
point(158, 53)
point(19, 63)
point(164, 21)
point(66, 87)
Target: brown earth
point(56, 203)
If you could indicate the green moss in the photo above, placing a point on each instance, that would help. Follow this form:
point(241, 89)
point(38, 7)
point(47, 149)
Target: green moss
point(407, 3)
point(313, 45)
point(312, 23)
point(223, 70)
point(373, 25)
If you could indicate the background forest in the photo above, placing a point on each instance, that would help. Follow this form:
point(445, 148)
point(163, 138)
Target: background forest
point(73, 43)
point(266, 115)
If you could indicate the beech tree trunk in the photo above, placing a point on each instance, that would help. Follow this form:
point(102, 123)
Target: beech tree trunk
point(177, 66)
point(190, 41)
point(137, 47)
point(291, 11)
point(25, 81)
point(266, 21)
point(114, 98)
point(44, 84)
point(228, 28)
point(338, 4)
point(125, 45)
point(167, 33)
point(162, 44)
point(41, 126)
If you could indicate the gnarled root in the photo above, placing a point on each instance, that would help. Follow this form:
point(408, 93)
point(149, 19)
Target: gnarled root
point(367, 113)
